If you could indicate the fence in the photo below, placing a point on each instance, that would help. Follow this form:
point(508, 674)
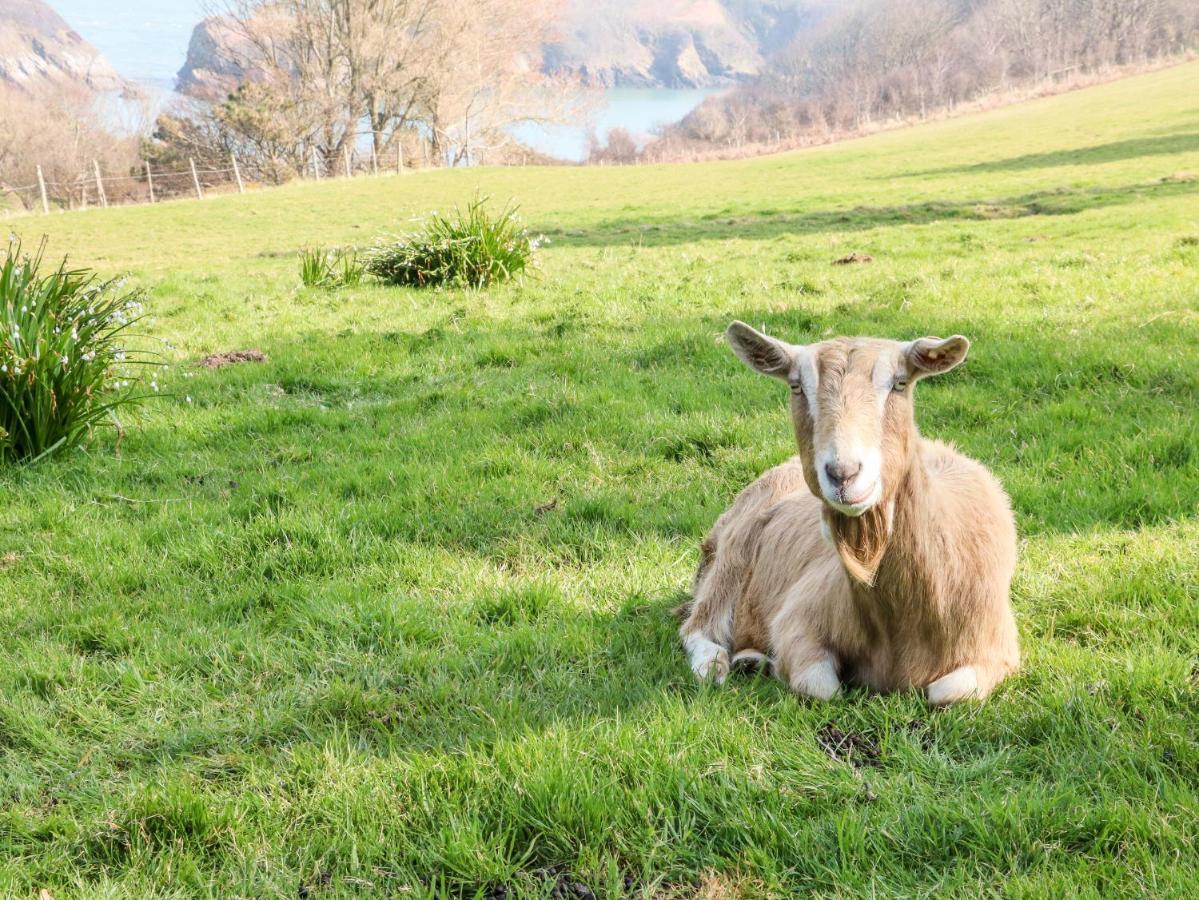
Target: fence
point(95, 188)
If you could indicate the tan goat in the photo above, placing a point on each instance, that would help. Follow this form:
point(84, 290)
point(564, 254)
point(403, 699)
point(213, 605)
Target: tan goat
point(875, 557)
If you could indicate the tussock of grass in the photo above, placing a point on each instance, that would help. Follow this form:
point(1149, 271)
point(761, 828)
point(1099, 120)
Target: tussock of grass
point(330, 269)
point(389, 613)
point(471, 248)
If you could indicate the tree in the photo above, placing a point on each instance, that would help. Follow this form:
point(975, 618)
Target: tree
point(65, 131)
point(459, 73)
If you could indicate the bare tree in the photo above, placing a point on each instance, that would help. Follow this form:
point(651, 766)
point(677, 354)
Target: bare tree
point(483, 76)
point(65, 132)
point(460, 73)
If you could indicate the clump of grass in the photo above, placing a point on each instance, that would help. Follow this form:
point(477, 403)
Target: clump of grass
point(65, 366)
point(469, 248)
point(335, 268)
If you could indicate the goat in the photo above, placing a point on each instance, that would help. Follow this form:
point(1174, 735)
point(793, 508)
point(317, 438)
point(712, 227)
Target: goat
point(874, 557)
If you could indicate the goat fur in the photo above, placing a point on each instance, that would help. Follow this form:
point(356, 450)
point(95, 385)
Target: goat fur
point(911, 594)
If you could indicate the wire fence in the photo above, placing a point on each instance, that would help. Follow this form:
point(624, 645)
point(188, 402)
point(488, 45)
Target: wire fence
point(94, 187)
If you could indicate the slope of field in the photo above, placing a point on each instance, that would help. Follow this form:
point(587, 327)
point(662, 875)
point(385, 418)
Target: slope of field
point(390, 613)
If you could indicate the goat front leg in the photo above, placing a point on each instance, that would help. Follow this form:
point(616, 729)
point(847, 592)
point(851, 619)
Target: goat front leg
point(707, 631)
point(809, 669)
point(972, 682)
point(709, 660)
point(802, 657)
point(960, 684)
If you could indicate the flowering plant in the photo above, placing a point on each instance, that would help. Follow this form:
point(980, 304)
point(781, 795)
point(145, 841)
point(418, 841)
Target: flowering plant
point(65, 363)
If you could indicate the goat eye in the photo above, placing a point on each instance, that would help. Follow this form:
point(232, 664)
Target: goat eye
point(899, 385)
point(796, 387)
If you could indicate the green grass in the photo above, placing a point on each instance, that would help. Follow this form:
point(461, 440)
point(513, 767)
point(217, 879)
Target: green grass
point(390, 613)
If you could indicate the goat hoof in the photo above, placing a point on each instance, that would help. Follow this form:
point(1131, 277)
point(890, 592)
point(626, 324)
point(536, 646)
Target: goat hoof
point(960, 684)
point(715, 668)
point(818, 681)
point(709, 660)
point(750, 662)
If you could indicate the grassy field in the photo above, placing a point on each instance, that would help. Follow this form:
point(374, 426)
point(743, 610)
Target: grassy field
point(390, 613)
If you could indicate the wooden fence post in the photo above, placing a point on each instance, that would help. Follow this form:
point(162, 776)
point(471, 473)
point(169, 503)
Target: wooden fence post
point(41, 182)
point(241, 188)
point(150, 180)
point(346, 153)
point(99, 184)
point(196, 180)
point(374, 160)
point(399, 158)
point(316, 171)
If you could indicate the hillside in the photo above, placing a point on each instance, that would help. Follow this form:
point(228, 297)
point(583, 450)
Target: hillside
point(38, 49)
point(389, 613)
point(675, 43)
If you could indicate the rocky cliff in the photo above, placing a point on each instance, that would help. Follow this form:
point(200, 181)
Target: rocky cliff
point(672, 43)
point(214, 64)
point(39, 50)
point(615, 43)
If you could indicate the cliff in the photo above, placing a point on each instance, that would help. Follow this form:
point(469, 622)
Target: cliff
point(214, 64)
point(614, 43)
point(39, 50)
point(672, 43)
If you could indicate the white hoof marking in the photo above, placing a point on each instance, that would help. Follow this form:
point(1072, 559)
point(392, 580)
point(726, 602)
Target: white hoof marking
point(957, 685)
point(708, 660)
point(818, 681)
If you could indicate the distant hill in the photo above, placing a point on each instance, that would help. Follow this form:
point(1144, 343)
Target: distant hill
point(39, 49)
point(675, 43)
point(614, 43)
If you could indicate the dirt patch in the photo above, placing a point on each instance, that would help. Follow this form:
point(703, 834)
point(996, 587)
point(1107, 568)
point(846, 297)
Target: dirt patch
point(565, 886)
point(854, 747)
point(232, 358)
point(853, 258)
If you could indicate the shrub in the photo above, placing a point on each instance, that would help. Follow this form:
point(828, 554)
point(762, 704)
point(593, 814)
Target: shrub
point(64, 363)
point(330, 268)
point(471, 249)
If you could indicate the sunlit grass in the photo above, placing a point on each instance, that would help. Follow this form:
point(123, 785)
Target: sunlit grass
point(392, 609)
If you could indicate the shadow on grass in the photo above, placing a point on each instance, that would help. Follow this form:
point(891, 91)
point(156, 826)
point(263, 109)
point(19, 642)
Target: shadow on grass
point(1058, 202)
point(1134, 148)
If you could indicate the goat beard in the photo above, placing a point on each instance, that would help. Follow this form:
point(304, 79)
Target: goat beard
point(861, 541)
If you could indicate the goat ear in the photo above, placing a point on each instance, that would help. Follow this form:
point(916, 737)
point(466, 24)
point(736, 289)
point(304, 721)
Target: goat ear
point(760, 352)
point(933, 356)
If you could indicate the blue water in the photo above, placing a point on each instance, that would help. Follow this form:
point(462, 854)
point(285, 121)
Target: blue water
point(640, 110)
point(146, 40)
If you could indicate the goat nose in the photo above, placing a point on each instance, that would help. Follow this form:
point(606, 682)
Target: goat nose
point(840, 473)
